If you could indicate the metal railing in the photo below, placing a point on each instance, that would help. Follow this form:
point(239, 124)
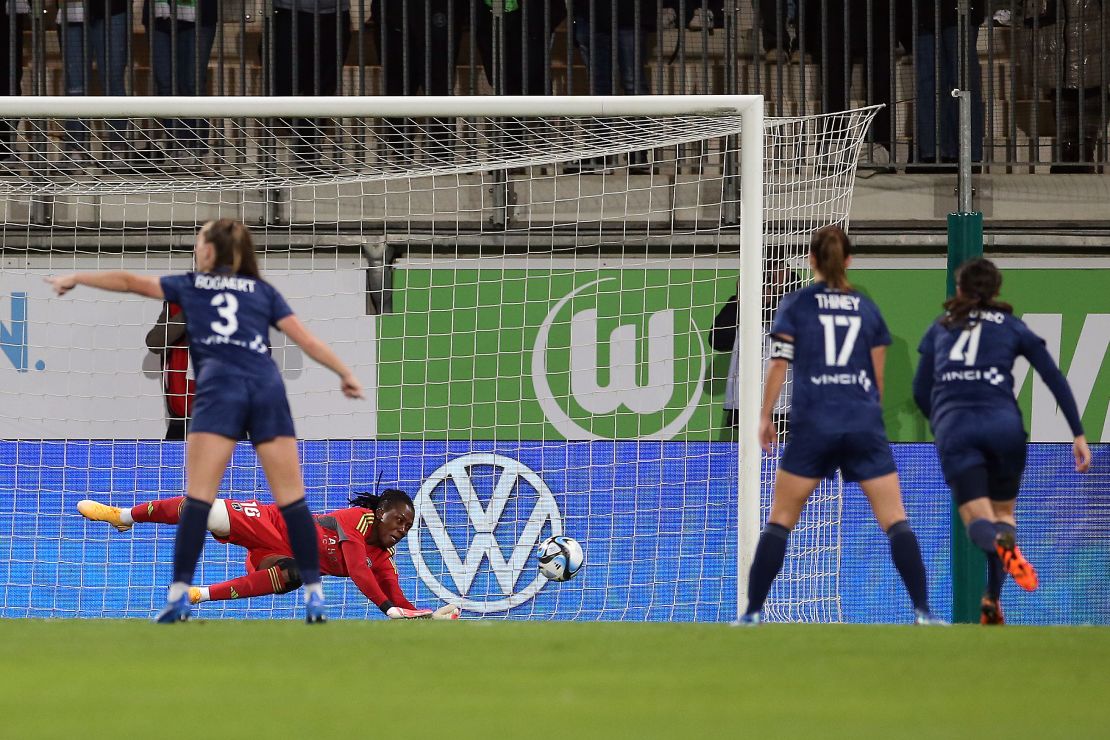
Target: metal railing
point(1038, 67)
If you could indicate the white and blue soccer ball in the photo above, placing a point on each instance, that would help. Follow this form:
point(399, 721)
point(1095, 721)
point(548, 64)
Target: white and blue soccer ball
point(560, 557)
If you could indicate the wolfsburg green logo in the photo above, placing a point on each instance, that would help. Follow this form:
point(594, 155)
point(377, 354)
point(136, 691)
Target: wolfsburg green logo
point(541, 354)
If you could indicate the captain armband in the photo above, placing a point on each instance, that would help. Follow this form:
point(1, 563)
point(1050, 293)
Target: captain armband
point(782, 349)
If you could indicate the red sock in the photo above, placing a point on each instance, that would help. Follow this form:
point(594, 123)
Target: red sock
point(259, 583)
point(164, 511)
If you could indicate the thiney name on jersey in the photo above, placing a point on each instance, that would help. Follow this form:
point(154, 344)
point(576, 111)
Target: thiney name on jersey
point(223, 282)
point(839, 301)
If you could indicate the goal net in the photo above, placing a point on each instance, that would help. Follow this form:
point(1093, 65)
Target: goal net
point(536, 293)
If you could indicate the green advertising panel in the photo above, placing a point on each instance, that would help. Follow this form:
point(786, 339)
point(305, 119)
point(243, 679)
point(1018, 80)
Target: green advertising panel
point(1069, 308)
point(541, 354)
point(549, 354)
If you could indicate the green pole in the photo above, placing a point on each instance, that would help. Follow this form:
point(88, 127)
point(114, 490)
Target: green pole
point(965, 242)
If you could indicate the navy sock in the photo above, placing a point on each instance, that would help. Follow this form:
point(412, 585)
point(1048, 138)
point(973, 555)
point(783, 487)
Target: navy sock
point(995, 575)
point(906, 554)
point(769, 554)
point(1006, 530)
point(302, 538)
point(192, 526)
point(982, 532)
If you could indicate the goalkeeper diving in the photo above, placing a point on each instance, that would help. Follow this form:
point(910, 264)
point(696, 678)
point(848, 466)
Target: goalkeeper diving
point(356, 543)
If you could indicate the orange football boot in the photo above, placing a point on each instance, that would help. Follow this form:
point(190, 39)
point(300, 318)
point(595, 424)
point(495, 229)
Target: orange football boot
point(1015, 563)
point(990, 611)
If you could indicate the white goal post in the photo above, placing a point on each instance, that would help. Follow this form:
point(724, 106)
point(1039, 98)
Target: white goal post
point(811, 160)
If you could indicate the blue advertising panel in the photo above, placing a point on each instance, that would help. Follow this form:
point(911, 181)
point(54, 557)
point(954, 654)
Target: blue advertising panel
point(657, 521)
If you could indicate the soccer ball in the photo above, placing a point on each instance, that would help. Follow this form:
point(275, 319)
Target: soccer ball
point(560, 558)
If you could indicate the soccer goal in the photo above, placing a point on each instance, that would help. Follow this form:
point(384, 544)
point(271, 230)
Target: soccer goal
point(527, 286)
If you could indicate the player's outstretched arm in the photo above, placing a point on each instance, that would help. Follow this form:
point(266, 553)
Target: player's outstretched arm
point(1082, 454)
point(116, 281)
point(295, 329)
point(1038, 356)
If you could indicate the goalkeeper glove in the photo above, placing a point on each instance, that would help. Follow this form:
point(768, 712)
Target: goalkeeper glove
point(396, 612)
point(447, 611)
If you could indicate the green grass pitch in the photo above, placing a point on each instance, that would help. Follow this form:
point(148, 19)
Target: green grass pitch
point(123, 679)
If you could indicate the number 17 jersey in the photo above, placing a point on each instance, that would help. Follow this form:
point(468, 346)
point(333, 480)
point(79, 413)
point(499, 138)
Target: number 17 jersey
point(834, 332)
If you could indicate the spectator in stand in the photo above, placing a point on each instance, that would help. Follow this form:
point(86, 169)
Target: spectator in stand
point(94, 32)
point(181, 37)
point(168, 340)
point(937, 47)
point(310, 42)
point(1070, 59)
point(778, 21)
point(418, 42)
point(593, 36)
point(525, 53)
point(856, 31)
point(13, 17)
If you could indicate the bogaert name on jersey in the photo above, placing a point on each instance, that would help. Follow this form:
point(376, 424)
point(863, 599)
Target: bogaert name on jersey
point(223, 282)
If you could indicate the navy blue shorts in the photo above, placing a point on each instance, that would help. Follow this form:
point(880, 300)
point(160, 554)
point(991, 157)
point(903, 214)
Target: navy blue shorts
point(236, 405)
point(860, 455)
point(994, 442)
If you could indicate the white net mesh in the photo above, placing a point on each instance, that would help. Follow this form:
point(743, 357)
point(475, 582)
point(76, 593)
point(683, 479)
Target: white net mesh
point(528, 300)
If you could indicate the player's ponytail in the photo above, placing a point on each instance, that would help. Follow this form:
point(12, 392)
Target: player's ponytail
point(978, 282)
point(387, 499)
point(234, 246)
point(831, 249)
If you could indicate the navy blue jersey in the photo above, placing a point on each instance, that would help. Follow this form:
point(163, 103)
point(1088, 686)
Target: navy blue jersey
point(971, 367)
point(834, 379)
point(228, 319)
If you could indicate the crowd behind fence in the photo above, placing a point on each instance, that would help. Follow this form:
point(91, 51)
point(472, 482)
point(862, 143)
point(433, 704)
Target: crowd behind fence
point(1037, 68)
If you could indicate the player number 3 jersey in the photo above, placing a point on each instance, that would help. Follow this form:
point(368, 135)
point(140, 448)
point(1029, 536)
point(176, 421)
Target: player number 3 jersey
point(228, 319)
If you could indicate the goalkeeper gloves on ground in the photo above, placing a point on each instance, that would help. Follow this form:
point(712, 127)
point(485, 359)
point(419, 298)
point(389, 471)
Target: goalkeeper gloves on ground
point(447, 611)
point(396, 612)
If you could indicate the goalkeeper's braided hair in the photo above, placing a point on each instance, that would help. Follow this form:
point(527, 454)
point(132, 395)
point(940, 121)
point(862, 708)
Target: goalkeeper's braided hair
point(387, 499)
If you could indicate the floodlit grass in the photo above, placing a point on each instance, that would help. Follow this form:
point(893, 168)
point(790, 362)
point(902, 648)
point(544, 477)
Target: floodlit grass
point(91, 679)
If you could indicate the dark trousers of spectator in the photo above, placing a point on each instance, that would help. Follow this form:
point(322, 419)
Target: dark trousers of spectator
point(525, 58)
point(775, 18)
point(179, 63)
point(309, 51)
point(597, 50)
point(937, 110)
point(1077, 136)
point(835, 42)
point(102, 41)
point(11, 73)
point(415, 42)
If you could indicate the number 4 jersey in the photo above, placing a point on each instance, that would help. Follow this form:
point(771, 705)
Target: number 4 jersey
point(833, 334)
point(971, 367)
point(228, 319)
